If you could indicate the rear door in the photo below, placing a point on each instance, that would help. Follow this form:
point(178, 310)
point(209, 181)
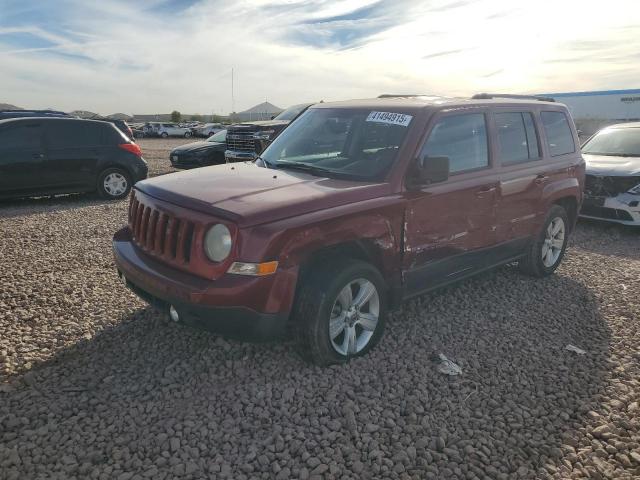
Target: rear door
point(73, 151)
point(450, 226)
point(523, 176)
point(21, 157)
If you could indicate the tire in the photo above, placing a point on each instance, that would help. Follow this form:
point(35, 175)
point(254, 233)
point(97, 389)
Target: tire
point(323, 294)
point(114, 183)
point(187, 134)
point(164, 134)
point(541, 260)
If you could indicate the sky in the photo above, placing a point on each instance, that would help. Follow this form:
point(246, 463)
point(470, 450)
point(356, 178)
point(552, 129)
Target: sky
point(151, 56)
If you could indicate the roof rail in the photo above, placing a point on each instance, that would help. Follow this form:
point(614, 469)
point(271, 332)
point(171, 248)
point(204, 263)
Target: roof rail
point(401, 95)
point(489, 96)
point(8, 110)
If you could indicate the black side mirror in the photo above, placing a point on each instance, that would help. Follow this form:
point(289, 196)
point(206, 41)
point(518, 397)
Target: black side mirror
point(431, 170)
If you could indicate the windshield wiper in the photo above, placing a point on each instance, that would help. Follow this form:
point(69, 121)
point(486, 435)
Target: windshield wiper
point(318, 171)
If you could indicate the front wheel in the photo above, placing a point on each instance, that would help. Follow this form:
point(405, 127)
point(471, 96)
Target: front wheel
point(164, 134)
point(546, 252)
point(187, 134)
point(114, 184)
point(340, 312)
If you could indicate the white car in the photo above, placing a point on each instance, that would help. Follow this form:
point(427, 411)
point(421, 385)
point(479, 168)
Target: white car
point(173, 130)
point(612, 186)
point(208, 129)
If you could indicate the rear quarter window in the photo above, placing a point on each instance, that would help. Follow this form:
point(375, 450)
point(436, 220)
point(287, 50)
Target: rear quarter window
point(558, 133)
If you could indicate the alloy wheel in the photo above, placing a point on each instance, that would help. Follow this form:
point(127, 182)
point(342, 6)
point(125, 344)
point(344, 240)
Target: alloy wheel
point(354, 317)
point(553, 242)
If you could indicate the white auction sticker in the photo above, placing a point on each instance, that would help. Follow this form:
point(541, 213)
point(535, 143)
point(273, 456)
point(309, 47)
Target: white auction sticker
point(390, 117)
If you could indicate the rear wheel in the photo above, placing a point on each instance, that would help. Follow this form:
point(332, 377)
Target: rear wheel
point(546, 252)
point(187, 134)
point(114, 184)
point(340, 312)
point(164, 134)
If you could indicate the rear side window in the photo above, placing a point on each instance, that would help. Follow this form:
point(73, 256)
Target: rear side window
point(72, 134)
point(20, 136)
point(517, 139)
point(558, 132)
point(462, 138)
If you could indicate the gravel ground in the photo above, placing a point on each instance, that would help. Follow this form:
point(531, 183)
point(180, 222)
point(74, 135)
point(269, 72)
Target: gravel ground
point(95, 384)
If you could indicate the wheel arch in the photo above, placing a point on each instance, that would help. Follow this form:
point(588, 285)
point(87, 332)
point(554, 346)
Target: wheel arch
point(570, 204)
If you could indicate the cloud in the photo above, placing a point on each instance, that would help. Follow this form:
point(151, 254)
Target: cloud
point(351, 28)
point(444, 53)
point(161, 55)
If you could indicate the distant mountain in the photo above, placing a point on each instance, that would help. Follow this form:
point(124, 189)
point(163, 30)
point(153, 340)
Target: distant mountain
point(83, 114)
point(8, 106)
point(119, 116)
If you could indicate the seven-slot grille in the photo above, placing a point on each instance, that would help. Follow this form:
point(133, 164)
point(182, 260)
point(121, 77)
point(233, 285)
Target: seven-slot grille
point(161, 234)
point(241, 140)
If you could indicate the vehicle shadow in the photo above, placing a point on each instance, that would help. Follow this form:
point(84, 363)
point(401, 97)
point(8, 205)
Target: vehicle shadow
point(174, 393)
point(28, 206)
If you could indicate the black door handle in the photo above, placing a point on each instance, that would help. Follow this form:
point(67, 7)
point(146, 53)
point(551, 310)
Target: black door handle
point(541, 178)
point(485, 191)
point(38, 155)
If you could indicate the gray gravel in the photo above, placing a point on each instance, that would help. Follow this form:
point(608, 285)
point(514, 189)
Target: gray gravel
point(95, 384)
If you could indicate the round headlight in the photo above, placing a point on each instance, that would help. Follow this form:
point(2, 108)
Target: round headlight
point(217, 243)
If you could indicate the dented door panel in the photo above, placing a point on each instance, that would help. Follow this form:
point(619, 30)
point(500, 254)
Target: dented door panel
point(446, 225)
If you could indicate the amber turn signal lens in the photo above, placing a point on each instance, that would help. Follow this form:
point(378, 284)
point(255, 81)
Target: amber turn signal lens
point(255, 269)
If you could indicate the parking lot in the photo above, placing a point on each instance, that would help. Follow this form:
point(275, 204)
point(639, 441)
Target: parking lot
point(96, 384)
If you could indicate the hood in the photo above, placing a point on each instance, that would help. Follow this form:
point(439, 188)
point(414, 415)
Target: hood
point(608, 166)
point(250, 195)
point(196, 146)
point(261, 124)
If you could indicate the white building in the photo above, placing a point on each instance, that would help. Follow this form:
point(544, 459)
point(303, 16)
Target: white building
point(609, 105)
point(263, 111)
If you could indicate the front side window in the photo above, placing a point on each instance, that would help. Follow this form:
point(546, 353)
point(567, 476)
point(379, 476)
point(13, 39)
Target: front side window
point(619, 142)
point(558, 132)
point(517, 140)
point(16, 137)
point(355, 143)
point(462, 138)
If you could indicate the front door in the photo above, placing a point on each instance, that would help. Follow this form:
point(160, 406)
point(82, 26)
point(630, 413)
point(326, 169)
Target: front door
point(21, 158)
point(451, 226)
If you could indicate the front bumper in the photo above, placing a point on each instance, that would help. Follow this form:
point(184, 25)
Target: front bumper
point(624, 208)
point(233, 305)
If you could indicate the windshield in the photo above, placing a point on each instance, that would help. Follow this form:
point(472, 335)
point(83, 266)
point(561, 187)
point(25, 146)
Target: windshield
point(353, 143)
point(623, 142)
point(219, 137)
point(291, 112)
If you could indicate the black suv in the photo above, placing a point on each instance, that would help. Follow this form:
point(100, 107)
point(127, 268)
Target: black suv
point(45, 156)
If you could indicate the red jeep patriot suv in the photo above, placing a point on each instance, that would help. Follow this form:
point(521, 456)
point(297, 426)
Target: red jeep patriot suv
point(356, 206)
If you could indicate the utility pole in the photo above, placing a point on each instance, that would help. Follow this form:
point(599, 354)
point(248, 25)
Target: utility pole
point(233, 108)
